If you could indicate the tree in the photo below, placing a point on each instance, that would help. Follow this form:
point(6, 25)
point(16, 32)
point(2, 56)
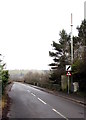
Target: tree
point(79, 66)
point(4, 75)
point(61, 55)
point(82, 33)
point(37, 78)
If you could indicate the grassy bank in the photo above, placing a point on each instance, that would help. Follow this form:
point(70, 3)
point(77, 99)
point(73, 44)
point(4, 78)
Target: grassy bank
point(4, 106)
point(6, 101)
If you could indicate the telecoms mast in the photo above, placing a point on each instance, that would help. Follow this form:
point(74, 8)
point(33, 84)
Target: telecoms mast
point(71, 41)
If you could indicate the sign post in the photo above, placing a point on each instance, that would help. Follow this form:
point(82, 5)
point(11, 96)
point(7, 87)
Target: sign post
point(68, 84)
point(68, 74)
point(68, 69)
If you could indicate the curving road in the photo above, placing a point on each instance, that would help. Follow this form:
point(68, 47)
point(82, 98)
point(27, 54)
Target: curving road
point(29, 102)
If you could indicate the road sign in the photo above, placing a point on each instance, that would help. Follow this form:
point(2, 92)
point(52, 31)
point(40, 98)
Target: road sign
point(68, 67)
point(68, 74)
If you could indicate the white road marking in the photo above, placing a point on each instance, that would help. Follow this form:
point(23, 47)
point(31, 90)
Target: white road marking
point(28, 90)
point(33, 94)
point(60, 114)
point(42, 101)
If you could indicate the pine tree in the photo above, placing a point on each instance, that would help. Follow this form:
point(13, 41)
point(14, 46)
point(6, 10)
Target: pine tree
point(61, 55)
point(79, 66)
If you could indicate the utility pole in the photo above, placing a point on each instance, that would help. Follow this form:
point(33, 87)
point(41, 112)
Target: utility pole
point(71, 50)
point(71, 41)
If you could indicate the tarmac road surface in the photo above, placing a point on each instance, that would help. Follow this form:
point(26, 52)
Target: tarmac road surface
point(29, 102)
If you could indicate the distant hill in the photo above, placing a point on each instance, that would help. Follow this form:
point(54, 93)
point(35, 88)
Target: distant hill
point(21, 73)
point(11, 72)
point(26, 71)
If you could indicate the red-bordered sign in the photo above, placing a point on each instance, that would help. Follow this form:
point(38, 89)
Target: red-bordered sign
point(68, 74)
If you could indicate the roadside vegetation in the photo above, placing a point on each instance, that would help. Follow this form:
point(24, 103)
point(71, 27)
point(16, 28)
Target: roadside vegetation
point(61, 55)
point(37, 78)
point(4, 75)
point(4, 78)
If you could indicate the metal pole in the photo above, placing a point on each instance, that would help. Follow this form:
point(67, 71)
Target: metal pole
point(68, 84)
point(71, 48)
point(71, 42)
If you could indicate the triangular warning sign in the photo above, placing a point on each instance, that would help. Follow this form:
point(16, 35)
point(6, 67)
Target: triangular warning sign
point(68, 74)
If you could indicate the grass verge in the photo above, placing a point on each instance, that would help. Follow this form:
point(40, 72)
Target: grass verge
point(6, 101)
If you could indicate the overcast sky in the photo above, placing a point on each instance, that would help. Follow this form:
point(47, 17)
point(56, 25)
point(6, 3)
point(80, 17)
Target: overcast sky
point(28, 27)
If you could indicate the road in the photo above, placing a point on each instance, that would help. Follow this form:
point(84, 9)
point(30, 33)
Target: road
point(29, 102)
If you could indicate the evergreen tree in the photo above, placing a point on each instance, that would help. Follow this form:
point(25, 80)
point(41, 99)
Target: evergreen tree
point(82, 33)
point(61, 55)
point(4, 75)
point(79, 66)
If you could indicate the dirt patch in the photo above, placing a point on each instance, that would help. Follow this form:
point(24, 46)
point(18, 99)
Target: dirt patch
point(6, 101)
